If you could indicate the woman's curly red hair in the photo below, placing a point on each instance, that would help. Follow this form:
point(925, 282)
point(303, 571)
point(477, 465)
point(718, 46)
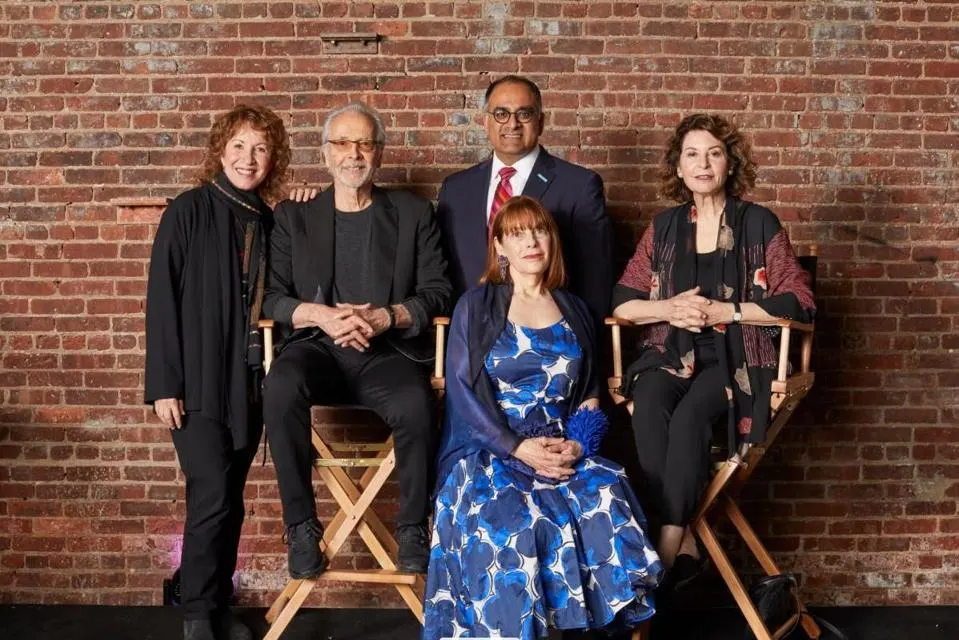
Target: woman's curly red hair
point(260, 119)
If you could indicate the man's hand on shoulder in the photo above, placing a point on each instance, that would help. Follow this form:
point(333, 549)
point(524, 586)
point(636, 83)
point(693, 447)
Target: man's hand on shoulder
point(303, 194)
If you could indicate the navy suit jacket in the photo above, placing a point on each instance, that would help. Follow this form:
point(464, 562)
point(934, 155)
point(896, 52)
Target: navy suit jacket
point(573, 194)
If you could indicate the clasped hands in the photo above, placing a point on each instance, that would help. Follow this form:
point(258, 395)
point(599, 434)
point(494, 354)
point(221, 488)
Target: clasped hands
point(350, 325)
point(691, 311)
point(550, 457)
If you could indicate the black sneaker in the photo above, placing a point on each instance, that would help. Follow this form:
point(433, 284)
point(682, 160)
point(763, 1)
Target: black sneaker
point(198, 630)
point(414, 553)
point(304, 557)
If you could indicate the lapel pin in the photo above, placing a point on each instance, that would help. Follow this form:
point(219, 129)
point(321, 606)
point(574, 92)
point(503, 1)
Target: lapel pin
point(542, 177)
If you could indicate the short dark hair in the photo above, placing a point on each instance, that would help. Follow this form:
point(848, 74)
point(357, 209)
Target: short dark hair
point(514, 79)
point(741, 165)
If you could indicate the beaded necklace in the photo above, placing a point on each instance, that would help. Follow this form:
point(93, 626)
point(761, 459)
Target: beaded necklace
point(234, 198)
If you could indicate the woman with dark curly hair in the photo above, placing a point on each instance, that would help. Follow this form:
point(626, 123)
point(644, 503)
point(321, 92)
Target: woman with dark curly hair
point(203, 352)
point(700, 270)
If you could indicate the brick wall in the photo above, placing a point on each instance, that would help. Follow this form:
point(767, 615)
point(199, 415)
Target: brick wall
point(851, 105)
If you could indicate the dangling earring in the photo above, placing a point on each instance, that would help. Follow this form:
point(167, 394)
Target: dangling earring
point(503, 267)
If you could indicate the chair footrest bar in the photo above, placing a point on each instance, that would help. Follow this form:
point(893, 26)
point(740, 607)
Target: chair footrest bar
point(359, 446)
point(377, 576)
point(348, 462)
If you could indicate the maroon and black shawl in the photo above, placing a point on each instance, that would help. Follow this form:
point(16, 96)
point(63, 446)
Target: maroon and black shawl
point(756, 264)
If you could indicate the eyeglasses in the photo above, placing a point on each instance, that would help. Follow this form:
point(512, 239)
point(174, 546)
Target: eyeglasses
point(523, 115)
point(366, 146)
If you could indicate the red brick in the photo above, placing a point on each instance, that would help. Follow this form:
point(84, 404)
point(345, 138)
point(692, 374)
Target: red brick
point(854, 157)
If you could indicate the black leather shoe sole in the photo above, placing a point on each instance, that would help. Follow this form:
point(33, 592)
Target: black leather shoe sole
point(412, 567)
point(311, 572)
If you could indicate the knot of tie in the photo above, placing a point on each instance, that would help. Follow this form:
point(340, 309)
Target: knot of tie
point(504, 191)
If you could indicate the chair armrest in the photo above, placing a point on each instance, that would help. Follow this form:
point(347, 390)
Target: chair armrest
point(266, 326)
point(617, 322)
point(784, 324)
point(787, 327)
point(439, 361)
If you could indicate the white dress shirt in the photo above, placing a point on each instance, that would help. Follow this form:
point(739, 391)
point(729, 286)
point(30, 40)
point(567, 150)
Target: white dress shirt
point(523, 166)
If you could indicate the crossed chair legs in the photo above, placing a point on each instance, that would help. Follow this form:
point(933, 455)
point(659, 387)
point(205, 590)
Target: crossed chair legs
point(355, 514)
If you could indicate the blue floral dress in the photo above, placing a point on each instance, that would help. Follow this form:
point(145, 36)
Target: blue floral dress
point(512, 554)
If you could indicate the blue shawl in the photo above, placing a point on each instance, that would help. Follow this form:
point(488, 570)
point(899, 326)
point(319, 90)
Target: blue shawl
point(474, 420)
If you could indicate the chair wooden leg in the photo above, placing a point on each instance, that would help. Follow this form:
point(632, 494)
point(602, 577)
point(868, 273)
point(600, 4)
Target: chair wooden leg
point(765, 560)
point(281, 600)
point(735, 585)
point(749, 537)
point(356, 514)
point(286, 615)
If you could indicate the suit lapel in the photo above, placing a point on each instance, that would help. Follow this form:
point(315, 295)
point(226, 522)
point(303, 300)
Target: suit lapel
point(541, 176)
point(320, 243)
point(383, 231)
point(475, 222)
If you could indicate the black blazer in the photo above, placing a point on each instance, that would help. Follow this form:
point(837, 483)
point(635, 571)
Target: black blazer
point(573, 194)
point(407, 263)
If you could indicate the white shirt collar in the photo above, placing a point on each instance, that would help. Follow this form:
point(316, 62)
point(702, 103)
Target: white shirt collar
point(523, 166)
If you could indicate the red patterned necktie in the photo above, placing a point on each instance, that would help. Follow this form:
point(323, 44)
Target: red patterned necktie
point(503, 193)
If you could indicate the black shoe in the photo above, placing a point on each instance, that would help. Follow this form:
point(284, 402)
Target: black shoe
point(198, 630)
point(229, 627)
point(686, 568)
point(304, 557)
point(414, 553)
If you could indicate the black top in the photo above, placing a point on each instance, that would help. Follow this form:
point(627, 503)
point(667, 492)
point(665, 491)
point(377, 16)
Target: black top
point(704, 342)
point(197, 317)
point(351, 264)
point(406, 264)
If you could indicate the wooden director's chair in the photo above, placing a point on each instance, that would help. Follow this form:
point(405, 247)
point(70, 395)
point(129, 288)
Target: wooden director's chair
point(734, 469)
point(355, 501)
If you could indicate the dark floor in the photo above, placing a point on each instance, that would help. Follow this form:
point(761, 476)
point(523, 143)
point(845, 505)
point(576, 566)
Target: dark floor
point(34, 622)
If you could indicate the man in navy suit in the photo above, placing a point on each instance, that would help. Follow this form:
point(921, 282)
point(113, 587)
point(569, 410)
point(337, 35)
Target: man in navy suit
point(519, 165)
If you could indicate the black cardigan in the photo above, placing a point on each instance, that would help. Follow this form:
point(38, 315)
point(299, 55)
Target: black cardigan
point(196, 320)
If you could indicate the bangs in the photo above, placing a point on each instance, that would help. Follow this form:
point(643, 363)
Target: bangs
point(519, 215)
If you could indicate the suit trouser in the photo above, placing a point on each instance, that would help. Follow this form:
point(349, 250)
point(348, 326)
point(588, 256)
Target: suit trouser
point(315, 371)
point(672, 422)
point(215, 477)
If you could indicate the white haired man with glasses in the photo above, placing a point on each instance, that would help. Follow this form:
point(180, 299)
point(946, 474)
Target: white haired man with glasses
point(354, 277)
point(470, 199)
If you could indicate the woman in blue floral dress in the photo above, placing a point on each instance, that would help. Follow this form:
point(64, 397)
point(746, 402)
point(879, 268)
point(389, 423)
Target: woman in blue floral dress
point(532, 529)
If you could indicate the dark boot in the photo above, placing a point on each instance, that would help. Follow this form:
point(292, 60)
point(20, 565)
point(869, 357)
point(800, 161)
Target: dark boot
point(229, 627)
point(304, 557)
point(198, 630)
point(414, 552)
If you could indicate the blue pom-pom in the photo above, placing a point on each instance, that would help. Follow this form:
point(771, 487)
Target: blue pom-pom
point(588, 427)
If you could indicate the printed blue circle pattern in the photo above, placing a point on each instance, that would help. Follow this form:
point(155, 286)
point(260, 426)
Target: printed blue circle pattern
point(511, 555)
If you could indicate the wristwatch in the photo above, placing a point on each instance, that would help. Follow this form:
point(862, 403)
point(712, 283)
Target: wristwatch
point(737, 313)
point(392, 314)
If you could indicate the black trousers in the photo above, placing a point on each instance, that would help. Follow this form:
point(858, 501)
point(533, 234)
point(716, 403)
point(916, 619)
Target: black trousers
point(215, 477)
point(317, 372)
point(672, 422)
